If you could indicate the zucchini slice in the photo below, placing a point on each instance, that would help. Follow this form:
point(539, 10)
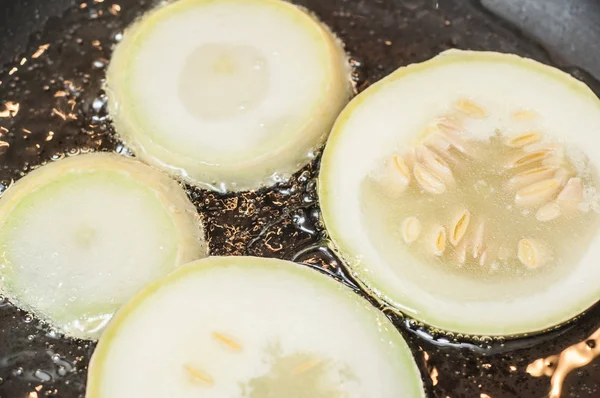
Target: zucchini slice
point(463, 192)
point(80, 236)
point(251, 328)
point(229, 95)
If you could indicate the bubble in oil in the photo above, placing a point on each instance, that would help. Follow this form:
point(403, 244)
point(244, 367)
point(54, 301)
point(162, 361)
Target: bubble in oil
point(42, 375)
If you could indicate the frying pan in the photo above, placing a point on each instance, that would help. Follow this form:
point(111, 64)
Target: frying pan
point(381, 35)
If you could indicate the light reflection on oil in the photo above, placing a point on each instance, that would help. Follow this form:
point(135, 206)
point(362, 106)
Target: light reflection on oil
point(114, 9)
point(559, 366)
point(433, 373)
point(434, 376)
point(41, 49)
point(10, 109)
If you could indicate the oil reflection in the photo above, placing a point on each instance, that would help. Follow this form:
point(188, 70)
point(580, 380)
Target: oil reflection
point(559, 366)
point(41, 49)
point(10, 109)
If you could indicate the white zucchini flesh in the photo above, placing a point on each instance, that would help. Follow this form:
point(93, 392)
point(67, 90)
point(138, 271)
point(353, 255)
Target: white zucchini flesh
point(229, 95)
point(250, 327)
point(392, 117)
point(80, 236)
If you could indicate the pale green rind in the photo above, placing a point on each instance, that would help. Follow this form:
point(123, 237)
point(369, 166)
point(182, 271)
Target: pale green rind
point(380, 287)
point(98, 361)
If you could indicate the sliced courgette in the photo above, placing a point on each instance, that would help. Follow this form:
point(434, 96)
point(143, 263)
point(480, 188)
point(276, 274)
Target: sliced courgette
point(80, 236)
point(255, 328)
point(228, 94)
point(463, 192)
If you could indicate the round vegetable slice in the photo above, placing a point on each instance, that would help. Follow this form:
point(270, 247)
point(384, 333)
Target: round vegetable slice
point(80, 236)
point(463, 192)
point(228, 94)
point(253, 328)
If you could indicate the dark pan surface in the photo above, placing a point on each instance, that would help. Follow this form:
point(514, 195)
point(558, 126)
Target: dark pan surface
point(284, 221)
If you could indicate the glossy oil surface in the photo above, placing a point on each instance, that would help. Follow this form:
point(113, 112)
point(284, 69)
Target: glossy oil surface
point(52, 105)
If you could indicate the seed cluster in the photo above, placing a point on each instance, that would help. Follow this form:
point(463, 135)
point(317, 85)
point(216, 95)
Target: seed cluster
point(535, 172)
